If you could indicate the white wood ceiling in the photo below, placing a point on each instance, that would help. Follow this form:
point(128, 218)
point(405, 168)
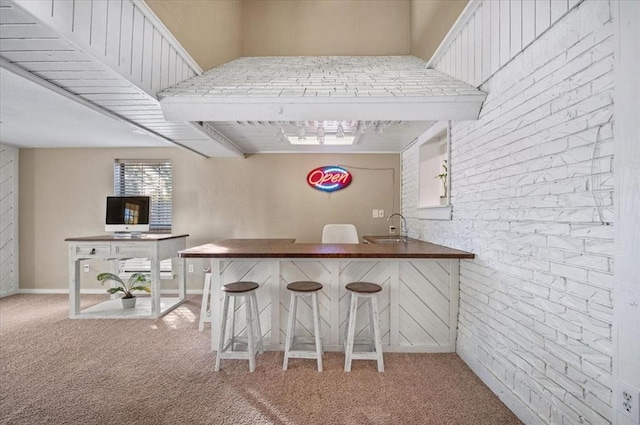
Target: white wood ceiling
point(114, 57)
point(111, 57)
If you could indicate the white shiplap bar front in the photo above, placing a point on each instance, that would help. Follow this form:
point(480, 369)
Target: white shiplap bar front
point(418, 303)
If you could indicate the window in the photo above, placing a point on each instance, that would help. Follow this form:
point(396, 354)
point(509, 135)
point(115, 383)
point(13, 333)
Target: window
point(148, 178)
point(433, 173)
point(151, 178)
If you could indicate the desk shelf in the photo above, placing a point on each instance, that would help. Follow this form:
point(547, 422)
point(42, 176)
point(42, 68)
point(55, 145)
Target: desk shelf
point(112, 309)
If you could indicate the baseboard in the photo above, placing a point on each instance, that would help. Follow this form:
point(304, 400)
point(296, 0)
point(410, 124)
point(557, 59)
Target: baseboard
point(8, 294)
point(94, 291)
point(521, 410)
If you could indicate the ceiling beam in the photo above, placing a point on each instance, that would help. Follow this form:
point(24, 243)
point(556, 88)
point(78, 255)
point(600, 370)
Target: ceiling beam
point(21, 72)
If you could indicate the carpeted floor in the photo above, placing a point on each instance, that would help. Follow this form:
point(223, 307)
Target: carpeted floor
point(54, 370)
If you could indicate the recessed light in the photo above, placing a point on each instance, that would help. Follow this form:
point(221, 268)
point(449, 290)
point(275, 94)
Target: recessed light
point(328, 139)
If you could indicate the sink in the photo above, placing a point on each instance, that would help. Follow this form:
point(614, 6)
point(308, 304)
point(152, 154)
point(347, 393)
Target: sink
point(388, 240)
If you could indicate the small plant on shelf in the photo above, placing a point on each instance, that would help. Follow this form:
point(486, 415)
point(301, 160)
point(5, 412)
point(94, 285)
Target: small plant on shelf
point(136, 282)
point(443, 177)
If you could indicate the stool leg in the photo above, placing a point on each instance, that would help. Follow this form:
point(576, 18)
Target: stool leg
point(316, 326)
point(351, 331)
point(256, 313)
point(204, 307)
point(251, 346)
point(372, 333)
point(223, 325)
point(346, 326)
point(233, 322)
point(290, 327)
point(376, 332)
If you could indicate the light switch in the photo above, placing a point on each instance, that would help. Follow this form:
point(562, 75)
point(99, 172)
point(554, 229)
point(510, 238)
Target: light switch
point(374, 213)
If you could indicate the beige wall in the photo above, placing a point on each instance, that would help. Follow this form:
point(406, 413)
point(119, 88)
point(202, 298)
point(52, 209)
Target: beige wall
point(430, 23)
point(62, 194)
point(217, 31)
point(210, 30)
point(328, 27)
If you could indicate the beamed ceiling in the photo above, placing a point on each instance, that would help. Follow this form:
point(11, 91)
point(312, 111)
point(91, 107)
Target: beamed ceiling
point(92, 77)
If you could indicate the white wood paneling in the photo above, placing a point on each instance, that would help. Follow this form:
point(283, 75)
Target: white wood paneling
point(494, 44)
point(99, 16)
point(415, 310)
point(137, 43)
point(558, 8)
point(488, 34)
point(8, 220)
point(543, 16)
point(504, 18)
point(528, 22)
point(112, 29)
point(478, 65)
point(515, 21)
point(105, 44)
point(485, 70)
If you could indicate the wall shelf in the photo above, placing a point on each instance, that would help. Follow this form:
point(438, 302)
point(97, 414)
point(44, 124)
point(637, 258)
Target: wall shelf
point(434, 155)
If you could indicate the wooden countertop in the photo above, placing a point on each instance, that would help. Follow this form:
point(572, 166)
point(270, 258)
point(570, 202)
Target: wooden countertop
point(285, 248)
point(145, 237)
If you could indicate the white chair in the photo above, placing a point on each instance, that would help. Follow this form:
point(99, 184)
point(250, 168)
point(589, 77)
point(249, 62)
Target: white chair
point(340, 233)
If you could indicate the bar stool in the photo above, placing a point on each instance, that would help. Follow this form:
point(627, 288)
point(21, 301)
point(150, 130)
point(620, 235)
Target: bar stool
point(226, 349)
point(368, 291)
point(205, 309)
point(301, 289)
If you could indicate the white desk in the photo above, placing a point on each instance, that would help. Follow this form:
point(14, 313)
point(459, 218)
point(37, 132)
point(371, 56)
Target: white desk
point(155, 247)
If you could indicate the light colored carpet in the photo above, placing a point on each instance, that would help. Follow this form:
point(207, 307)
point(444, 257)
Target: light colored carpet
point(54, 370)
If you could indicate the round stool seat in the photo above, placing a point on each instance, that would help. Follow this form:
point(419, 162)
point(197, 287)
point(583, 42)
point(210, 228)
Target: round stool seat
point(239, 287)
point(364, 287)
point(304, 286)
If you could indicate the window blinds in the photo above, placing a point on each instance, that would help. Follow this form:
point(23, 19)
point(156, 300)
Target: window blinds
point(148, 178)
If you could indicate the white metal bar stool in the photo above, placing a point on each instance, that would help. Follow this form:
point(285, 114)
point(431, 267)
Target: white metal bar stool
point(301, 289)
point(368, 291)
point(205, 308)
point(226, 348)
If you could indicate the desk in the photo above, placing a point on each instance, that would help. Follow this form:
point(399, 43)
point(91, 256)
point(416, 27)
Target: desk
point(418, 302)
point(155, 247)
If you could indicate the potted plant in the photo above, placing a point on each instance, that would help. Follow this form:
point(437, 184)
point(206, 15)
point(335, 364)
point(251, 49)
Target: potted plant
point(136, 282)
point(443, 177)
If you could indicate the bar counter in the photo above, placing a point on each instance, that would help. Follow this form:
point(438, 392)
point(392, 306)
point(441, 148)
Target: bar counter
point(286, 248)
point(418, 303)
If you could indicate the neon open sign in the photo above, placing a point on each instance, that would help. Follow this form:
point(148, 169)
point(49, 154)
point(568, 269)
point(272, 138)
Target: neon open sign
point(329, 178)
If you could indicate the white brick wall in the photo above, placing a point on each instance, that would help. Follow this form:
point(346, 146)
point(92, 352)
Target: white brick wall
point(531, 189)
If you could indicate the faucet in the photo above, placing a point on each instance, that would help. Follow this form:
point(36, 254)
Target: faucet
point(403, 227)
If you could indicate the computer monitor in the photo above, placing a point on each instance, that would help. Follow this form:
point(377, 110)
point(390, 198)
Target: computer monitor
point(127, 214)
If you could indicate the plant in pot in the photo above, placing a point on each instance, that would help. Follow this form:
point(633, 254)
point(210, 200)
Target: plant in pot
point(136, 282)
point(443, 177)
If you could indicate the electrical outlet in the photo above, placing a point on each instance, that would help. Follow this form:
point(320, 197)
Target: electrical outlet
point(392, 230)
point(629, 402)
point(380, 213)
point(86, 268)
point(190, 268)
